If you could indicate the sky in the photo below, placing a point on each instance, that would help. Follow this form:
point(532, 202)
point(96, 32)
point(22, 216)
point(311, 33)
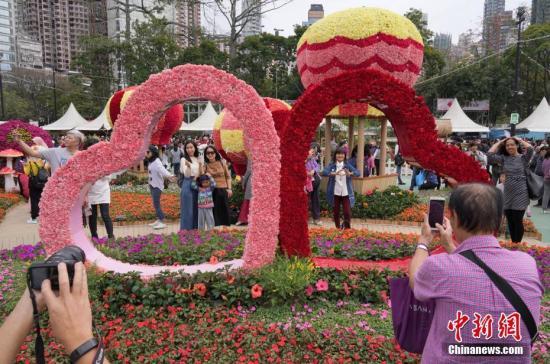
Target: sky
point(444, 16)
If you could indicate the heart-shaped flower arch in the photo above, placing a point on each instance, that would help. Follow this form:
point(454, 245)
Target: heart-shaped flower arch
point(411, 119)
point(60, 213)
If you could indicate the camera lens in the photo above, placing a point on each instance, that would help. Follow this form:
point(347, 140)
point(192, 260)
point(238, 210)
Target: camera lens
point(69, 253)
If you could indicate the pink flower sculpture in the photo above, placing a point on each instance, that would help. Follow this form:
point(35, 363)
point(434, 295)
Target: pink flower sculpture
point(60, 217)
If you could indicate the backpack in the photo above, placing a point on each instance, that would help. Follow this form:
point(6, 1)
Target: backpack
point(399, 161)
point(39, 180)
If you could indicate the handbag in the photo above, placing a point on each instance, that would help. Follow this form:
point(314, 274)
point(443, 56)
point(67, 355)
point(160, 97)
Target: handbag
point(508, 292)
point(411, 318)
point(535, 184)
point(420, 178)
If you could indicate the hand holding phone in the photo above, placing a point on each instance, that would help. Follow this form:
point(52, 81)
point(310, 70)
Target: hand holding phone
point(436, 209)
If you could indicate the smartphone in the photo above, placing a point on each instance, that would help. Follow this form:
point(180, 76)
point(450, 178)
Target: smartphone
point(436, 210)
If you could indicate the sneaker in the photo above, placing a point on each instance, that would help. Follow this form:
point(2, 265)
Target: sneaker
point(528, 214)
point(317, 222)
point(546, 211)
point(160, 225)
point(154, 223)
point(32, 221)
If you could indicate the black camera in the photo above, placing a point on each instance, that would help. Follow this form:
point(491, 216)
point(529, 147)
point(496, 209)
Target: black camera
point(38, 272)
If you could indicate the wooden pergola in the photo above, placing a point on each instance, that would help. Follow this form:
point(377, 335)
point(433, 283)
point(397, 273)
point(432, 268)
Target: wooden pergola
point(357, 113)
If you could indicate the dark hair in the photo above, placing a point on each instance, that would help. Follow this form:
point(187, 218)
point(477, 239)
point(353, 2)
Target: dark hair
point(472, 144)
point(201, 179)
point(338, 151)
point(187, 156)
point(547, 155)
point(218, 156)
point(154, 153)
point(478, 207)
point(502, 150)
point(89, 142)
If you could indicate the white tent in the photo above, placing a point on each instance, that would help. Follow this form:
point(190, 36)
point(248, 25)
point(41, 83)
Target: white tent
point(99, 123)
point(70, 120)
point(539, 120)
point(205, 122)
point(460, 122)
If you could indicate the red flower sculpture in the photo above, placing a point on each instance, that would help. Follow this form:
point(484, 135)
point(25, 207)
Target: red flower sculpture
point(411, 119)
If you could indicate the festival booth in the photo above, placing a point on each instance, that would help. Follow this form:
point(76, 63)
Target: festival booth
point(538, 123)
point(70, 120)
point(203, 123)
point(358, 113)
point(98, 124)
point(460, 122)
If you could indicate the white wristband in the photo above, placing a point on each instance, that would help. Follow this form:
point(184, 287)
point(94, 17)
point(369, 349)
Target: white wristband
point(423, 247)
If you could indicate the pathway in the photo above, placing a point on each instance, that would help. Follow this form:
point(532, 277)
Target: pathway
point(14, 229)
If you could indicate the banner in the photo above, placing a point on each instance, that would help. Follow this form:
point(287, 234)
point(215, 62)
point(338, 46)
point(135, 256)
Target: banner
point(477, 105)
point(444, 104)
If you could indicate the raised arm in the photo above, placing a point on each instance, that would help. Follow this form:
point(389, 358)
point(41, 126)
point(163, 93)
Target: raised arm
point(26, 149)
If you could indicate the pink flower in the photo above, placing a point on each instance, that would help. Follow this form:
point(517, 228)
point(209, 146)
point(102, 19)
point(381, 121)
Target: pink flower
point(321, 285)
point(309, 290)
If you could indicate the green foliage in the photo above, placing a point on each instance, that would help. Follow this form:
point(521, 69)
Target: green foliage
point(379, 204)
point(286, 278)
point(415, 16)
point(206, 53)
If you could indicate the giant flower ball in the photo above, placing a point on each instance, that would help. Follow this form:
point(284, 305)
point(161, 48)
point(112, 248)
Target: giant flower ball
point(360, 38)
point(229, 137)
point(169, 122)
point(26, 132)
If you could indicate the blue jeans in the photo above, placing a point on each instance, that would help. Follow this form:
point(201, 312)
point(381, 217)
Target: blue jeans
point(155, 193)
point(398, 171)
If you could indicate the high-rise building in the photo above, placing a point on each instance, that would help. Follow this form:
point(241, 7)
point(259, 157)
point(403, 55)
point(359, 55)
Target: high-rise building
point(315, 13)
point(58, 26)
point(188, 23)
point(443, 42)
point(28, 52)
point(253, 25)
point(7, 34)
point(492, 20)
point(540, 11)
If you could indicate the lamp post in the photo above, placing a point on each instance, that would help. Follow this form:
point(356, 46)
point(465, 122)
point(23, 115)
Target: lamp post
point(520, 19)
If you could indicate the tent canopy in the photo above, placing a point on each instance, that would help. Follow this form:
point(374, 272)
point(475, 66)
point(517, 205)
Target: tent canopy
point(99, 123)
point(70, 120)
point(205, 122)
point(460, 122)
point(539, 120)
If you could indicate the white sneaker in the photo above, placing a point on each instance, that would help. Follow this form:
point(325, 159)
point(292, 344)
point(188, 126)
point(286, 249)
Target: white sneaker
point(158, 226)
point(32, 221)
point(154, 223)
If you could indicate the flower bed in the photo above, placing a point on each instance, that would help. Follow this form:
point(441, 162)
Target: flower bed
point(195, 247)
point(288, 310)
point(128, 206)
point(7, 200)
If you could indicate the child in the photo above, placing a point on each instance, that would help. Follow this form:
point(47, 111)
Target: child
point(205, 185)
point(340, 189)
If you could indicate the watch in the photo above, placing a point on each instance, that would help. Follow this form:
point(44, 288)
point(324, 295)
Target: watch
point(83, 349)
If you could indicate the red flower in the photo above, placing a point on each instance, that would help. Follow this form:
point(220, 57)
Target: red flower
point(214, 259)
point(309, 290)
point(347, 290)
point(256, 291)
point(230, 279)
point(200, 289)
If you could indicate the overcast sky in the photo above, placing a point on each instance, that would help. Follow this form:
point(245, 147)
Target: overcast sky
point(444, 16)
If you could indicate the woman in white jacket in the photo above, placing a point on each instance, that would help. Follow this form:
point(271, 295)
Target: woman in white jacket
point(157, 175)
point(99, 196)
point(190, 168)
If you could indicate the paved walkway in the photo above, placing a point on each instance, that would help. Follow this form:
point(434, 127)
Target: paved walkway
point(14, 229)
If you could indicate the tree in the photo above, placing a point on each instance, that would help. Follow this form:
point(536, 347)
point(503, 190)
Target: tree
point(206, 53)
point(152, 49)
point(415, 16)
point(237, 16)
